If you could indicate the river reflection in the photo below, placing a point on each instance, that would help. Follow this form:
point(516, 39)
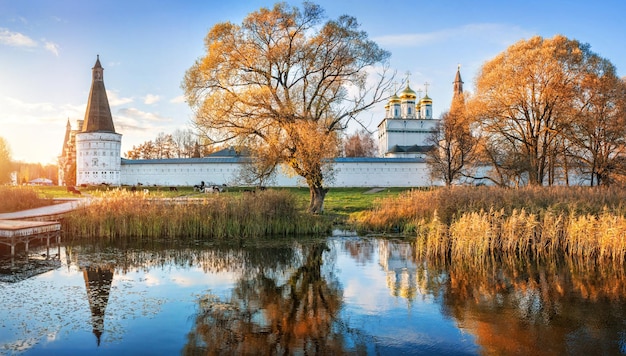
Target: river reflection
point(341, 295)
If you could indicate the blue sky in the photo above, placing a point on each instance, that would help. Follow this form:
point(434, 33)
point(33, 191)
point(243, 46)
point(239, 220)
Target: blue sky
point(47, 50)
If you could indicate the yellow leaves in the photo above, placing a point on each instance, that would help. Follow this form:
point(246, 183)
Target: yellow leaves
point(525, 97)
point(312, 142)
point(220, 31)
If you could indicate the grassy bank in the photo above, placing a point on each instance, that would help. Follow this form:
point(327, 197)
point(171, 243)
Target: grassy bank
point(480, 223)
point(120, 213)
point(16, 198)
point(339, 201)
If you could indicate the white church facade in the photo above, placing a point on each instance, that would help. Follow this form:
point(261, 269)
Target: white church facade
point(408, 125)
point(94, 149)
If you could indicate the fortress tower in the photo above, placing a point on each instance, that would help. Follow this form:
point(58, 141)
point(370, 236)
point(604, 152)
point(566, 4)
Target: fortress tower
point(98, 146)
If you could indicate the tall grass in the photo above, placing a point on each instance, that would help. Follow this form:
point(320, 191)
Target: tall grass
point(16, 198)
point(120, 213)
point(480, 223)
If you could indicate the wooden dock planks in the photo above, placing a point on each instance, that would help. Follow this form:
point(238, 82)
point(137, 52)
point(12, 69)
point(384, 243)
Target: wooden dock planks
point(13, 232)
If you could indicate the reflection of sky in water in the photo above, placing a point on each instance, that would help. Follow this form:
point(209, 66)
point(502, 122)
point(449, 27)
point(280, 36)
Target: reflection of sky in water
point(397, 323)
point(152, 310)
point(51, 310)
point(385, 306)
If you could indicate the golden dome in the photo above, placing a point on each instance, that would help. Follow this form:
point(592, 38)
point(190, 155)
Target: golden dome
point(394, 99)
point(426, 100)
point(408, 93)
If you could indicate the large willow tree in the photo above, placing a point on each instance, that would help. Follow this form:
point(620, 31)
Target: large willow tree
point(284, 84)
point(527, 100)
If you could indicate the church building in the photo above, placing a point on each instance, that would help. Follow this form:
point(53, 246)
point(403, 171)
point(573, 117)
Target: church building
point(91, 154)
point(408, 128)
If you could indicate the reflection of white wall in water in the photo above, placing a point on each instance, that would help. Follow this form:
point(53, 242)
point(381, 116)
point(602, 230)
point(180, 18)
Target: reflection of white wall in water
point(396, 259)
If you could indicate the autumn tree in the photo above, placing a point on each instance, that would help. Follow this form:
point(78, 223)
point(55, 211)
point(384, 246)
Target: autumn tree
point(286, 80)
point(523, 103)
point(454, 147)
point(180, 144)
point(359, 144)
point(259, 167)
point(5, 162)
point(598, 132)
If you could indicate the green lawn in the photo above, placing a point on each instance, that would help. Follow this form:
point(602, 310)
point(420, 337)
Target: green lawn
point(339, 201)
point(345, 201)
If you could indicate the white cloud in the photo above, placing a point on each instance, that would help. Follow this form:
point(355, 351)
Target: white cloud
point(179, 99)
point(132, 119)
point(489, 31)
point(115, 100)
point(52, 47)
point(27, 113)
point(15, 39)
point(151, 99)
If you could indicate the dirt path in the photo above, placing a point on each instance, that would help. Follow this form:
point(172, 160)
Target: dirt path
point(374, 190)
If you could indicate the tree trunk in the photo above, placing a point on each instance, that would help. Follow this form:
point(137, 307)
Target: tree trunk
point(318, 193)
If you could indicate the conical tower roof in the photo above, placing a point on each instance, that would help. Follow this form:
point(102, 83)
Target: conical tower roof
point(66, 140)
point(458, 83)
point(98, 114)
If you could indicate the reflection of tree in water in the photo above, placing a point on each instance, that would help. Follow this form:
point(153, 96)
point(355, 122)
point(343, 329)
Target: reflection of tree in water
point(518, 306)
point(293, 311)
point(513, 305)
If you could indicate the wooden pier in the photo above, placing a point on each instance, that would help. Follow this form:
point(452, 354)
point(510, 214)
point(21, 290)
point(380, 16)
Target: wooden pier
point(13, 232)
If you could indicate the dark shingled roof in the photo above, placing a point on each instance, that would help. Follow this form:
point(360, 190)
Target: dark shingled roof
point(98, 114)
point(409, 149)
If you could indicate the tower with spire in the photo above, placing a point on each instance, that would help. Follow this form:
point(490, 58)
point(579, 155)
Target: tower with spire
point(458, 83)
point(408, 124)
point(98, 146)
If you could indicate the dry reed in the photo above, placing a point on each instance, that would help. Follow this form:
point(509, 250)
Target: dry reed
point(120, 213)
point(16, 198)
point(480, 223)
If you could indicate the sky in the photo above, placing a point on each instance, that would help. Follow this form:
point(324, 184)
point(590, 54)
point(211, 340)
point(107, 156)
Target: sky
point(47, 50)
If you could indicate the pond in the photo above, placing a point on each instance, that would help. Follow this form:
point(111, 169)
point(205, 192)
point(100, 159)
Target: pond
point(340, 295)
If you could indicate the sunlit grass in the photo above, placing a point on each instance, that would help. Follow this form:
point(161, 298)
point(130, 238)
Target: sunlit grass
point(15, 198)
point(479, 223)
point(121, 213)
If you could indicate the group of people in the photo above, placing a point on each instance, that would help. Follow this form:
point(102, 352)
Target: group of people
point(209, 188)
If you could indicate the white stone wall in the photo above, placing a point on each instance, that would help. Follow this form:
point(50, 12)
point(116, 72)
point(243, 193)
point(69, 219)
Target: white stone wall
point(98, 158)
point(178, 172)
point(348, 172)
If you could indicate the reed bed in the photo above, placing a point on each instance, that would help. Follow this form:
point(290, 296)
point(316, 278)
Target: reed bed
point(480, 223)
point(120, 213)
point(16, 198)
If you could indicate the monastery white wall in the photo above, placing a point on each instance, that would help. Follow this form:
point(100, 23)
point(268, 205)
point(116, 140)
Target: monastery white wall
point(348, 172)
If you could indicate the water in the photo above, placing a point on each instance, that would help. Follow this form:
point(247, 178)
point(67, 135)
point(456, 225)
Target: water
point(341, 295)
